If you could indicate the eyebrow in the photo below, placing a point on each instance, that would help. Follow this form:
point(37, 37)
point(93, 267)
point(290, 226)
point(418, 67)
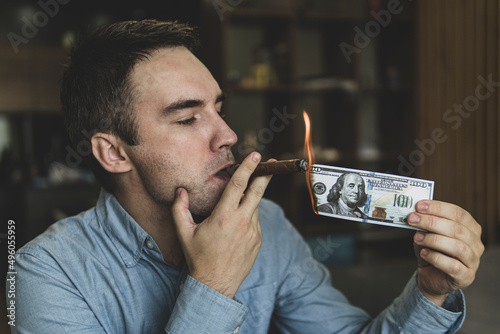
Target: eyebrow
point(189, 103)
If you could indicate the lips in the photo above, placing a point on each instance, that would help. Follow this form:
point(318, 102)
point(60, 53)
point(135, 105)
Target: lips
point(223, 173)
point(226, 172)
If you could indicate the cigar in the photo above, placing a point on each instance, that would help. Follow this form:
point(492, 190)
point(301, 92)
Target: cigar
point(280, 167)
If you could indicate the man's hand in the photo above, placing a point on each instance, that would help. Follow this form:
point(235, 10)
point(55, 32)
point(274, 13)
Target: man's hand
point(221, 250)
point(448, 256)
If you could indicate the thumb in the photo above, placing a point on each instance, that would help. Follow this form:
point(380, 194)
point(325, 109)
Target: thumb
point(183, 221)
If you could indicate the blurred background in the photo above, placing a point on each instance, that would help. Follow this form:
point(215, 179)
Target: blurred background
point(404, 87)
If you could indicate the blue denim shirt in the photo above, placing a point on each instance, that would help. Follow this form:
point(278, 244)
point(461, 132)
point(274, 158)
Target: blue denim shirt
point(100, 272)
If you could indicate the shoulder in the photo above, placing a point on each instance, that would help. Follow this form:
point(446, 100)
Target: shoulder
point(277, 230)
point(329, 207)
point(63, 238)
point(270, 210)
point(281, 242)
point(273, 219)
point(325, 207)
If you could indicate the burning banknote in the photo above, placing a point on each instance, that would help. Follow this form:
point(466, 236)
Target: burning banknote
point(366, 196)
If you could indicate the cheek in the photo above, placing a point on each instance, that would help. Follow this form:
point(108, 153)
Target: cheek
point(165, 148)
point(187, 155)
point(182, 140)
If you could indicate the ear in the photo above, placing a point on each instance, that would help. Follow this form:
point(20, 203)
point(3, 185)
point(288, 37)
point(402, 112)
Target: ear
point(108, 150)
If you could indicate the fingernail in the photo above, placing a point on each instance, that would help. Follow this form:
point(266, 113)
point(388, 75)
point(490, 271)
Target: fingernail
point(256, 157)
point(424, 252)
point(419, 236)
point(413, 219)
point(423, 206)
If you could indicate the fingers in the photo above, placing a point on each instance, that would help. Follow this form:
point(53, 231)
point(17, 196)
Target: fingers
point(449, 211)
point(453, 242)
point(460, 276)
point(182, 216)
point(448, 220)
point(255, 217)
point(450, 229)
point(255, 192)
point(448, 247)
point(239, 181)
point(449, 252)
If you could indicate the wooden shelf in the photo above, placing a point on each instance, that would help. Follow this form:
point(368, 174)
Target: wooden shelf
point(260, 13)
point(315, 17)
point(283, 88)
point(29, 79)
point(268, 89)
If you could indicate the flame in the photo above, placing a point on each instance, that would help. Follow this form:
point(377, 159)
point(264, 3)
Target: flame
point(310, 156)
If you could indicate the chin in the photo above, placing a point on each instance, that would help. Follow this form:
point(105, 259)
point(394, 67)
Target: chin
point(204, 206)
point(202, 200)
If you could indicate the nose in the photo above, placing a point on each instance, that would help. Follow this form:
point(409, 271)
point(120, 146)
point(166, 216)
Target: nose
point(224, 136)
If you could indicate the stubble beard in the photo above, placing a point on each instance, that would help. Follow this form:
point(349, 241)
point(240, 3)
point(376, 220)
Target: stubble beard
point(203, 196)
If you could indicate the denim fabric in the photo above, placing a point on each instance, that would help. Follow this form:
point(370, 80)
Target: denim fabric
point(100, 272)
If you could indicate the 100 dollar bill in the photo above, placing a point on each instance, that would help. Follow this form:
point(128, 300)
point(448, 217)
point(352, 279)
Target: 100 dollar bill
point(369, 197)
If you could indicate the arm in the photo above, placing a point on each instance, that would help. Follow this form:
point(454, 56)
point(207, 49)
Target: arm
point(219, 252)
point(307, 302)
point(46, 300)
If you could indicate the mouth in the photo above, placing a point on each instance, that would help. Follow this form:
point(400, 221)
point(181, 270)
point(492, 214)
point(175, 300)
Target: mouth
point(225, 172)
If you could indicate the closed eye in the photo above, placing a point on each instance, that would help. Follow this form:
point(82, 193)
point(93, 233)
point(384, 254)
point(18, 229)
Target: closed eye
point(188, 121)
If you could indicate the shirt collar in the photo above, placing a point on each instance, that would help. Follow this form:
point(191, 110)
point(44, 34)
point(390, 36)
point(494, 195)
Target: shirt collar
point(125, 233)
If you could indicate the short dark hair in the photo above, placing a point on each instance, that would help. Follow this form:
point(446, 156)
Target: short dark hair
point(96, 92)
point(334, 193)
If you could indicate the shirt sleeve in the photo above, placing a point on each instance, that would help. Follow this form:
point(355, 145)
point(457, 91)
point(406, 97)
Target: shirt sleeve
point(46, 301)
point(200, 309)
point(414, 313)
point(308, 303)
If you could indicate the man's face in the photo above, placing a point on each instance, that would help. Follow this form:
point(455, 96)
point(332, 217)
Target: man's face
point(352, 190)
point(183, 141)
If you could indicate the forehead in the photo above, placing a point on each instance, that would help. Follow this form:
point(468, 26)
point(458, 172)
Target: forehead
point(353, 178)
point(172, 73)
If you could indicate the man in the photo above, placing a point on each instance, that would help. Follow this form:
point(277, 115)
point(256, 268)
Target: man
point(346, 196)
point(175, 245)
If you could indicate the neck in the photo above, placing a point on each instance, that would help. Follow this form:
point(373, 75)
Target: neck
point(156, 219)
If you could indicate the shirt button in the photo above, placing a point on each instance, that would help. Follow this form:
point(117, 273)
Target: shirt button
point(150, 244)
point(236, 330)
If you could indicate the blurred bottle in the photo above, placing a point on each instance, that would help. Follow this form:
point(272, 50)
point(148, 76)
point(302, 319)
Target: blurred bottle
point(261, 69)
